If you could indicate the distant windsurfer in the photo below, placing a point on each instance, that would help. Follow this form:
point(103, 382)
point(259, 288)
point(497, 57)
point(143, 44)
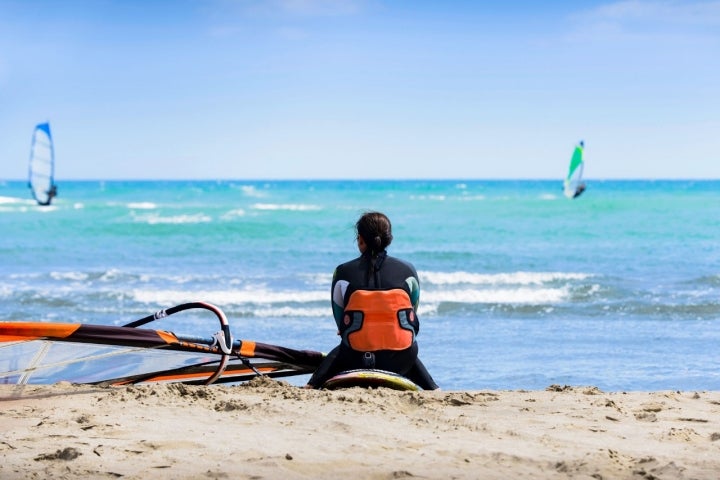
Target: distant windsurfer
point(573, 186)
point(374, 302)
point(579, 190)
point(51, 193)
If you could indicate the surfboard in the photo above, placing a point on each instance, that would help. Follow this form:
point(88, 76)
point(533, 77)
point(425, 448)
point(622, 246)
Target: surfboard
point(370, 379)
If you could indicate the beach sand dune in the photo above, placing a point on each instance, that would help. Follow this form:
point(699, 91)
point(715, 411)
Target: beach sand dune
point(267, 429)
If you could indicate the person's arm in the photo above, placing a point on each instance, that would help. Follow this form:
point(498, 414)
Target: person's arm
point(413, 284)
point(337, 299)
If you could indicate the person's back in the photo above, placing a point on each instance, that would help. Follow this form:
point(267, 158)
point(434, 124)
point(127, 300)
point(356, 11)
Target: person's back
point(388, 272)
point(374, 302)
point(375, 311)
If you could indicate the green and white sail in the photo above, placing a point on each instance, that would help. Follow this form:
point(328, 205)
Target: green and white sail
point(573, 186)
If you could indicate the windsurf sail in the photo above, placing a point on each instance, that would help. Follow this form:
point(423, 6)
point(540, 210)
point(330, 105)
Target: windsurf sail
point(573, 185)
point(128, 355)
point(42, 165)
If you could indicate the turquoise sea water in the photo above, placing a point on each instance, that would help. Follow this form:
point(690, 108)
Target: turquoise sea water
point(521, 288)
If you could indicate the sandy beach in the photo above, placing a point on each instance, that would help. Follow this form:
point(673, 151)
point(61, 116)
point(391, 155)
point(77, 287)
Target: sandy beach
point(268, 429)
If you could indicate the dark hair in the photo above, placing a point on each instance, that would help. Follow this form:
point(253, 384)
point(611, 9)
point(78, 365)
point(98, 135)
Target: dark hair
point(376, 230)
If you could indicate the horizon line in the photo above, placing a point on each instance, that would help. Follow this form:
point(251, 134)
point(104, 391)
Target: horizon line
point(343, 179)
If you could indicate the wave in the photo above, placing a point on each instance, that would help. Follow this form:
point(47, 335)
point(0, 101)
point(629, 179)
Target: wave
point(286, 206)
point(438, 198)
point(142, 205)
point(532, 296)
point(233, 214)
point(17, 204)
point(15, 201)
point(711, 281)
point(112, 275)
point(512, 278)
point(288, 294)
point(230, 297)
point(156, 219)
point(250, 191)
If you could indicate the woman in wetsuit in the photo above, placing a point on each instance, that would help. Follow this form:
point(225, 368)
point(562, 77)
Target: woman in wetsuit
point(374, 302)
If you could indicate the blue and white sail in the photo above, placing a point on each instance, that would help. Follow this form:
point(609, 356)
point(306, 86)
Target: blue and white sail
point(41, 170)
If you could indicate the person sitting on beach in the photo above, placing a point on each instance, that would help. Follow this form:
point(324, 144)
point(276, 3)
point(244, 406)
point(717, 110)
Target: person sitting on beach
point(374, 301)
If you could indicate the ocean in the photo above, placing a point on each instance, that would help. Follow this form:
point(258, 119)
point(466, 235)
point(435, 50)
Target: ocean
point(521, 287)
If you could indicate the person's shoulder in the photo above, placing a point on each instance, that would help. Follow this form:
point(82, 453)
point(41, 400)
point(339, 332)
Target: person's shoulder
point(401, 262)
point(350, 264)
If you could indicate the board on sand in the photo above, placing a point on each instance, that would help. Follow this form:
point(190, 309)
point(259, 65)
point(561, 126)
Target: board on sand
point(369, 379)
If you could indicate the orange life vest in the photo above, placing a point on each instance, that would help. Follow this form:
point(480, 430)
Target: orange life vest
point(379, 320)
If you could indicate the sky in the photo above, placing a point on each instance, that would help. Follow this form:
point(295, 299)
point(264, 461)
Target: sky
point(362, 89)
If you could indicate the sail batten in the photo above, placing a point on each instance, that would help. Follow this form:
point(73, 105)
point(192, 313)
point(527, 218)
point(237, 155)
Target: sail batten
point(41, 169)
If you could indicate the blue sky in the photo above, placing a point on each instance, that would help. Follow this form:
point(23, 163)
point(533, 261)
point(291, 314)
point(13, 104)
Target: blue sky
point(315, 89)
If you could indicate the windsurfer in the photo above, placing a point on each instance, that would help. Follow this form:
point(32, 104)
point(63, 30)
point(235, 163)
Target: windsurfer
point(51, 193)
point(573, 186)
point(579, 190)
point(374, 301)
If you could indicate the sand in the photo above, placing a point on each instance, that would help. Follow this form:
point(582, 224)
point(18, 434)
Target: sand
point(268, 429)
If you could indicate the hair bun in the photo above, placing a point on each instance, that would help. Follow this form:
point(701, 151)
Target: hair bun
point(376, 229)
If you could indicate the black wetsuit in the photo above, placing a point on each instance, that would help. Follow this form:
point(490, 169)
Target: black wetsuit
point(359, 274)
point(579, 190)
